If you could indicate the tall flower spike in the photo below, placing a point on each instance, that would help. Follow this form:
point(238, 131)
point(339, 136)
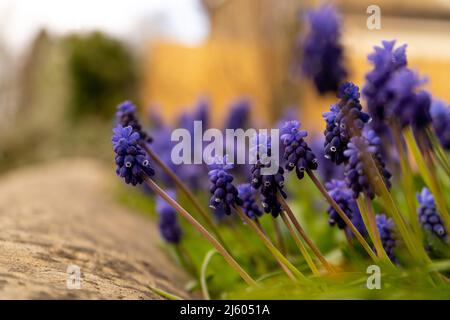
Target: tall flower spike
point(386, 61)
point(169, 227)
point(224, 193)
point(343, 196)
point(344, 120)
point(249, 204)
point(409, 105)
point(386, 228)
point(269, 185)
point(361, 175)
point(440, 115)
point(322, 53)
point(429, 217)
point(126, 116)
point(297, 153)
point(131, 160)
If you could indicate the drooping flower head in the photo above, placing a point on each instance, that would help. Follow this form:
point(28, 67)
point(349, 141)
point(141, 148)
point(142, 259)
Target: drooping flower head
point(224, 193)
point(360, 172)
point(132, 163)
point(297, 153)
point(126, 116)
point(327, 169)
point(429, 216)
point(322, 53)
point(343, 196)
point(409, 105)
point(344, 120)
point(169, 227)
point(440, 115)
point(386, 61)
point(249, 204)
point(386, 228)
point(269, 184)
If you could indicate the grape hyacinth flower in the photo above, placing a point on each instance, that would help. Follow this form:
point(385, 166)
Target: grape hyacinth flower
point(269, 185)
point(429, 216)
point(169, 227)
point(344, 120)
point(361, 175)
point(249, 204)
point(386, 228)
point(322, 53)
point(327, 169)
point(132, 163)
point(343, 196)
point(408, 105)
point(386, 61)
point(224, 193)
point(297, 153)
point(239, 115)
point(126, 116)
point(440, 115)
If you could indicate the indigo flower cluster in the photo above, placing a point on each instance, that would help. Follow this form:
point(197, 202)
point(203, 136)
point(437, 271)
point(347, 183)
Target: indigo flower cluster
point(297, 153)
point(131, 161)
point(224, 193)
point(249, 204)
point(169, 227)
point(126, 116)
point(322, 52)
point(429, 217)
point(440, 115)
point(270, 184)
point(386, 61)
point(386, 228)
point(344, 120)
point(361, 175)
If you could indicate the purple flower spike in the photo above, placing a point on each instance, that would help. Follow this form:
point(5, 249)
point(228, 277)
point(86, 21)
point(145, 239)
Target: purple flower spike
point(169, 227)
point(440, 115)
point(224, 193)
point(249, 205)
point(132, 163)
point(126, 116)
point(429, 217)
point(297, 153)
point(322, 52)
point(386, 228)
point(361, 175)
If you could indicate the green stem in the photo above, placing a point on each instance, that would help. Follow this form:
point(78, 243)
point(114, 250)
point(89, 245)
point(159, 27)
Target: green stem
point(438, 151)
point(164, 294)
point(303, 234)
point(216, 244)
point(343, 216)
point(182, 186)
point(277, 254)
point(203, 281)
point(300, 245)
point(279, 235)
point(427, 172)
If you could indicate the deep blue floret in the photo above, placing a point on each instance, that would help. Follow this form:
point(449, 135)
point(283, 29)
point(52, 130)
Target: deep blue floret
point(386, 228)
point(429, 216)
point(440, 115)
point(344, 120)
point(297, 153)
point(360, 173)
point(126, 116)
point(249, 204)
point(269, 185)
point(386, 61)
point(327, 169)
point(169, 227)
point(322, 53)
point(224, 193)
point(132, 163)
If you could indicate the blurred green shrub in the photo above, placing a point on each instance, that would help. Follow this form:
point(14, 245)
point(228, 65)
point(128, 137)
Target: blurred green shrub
point(101, 74)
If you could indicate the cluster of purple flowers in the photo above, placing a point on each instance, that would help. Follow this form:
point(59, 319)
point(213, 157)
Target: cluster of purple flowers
point(169, 227)
point(126, 116)
point(440, 115)
point(249, 203)
point(386, 228)
point(322, 53)
point(297, 153)
point(344, 120)
point(131, 160)
point(429, 217)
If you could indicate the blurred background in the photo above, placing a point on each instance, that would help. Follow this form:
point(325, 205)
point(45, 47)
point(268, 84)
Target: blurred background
point(65, 65)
